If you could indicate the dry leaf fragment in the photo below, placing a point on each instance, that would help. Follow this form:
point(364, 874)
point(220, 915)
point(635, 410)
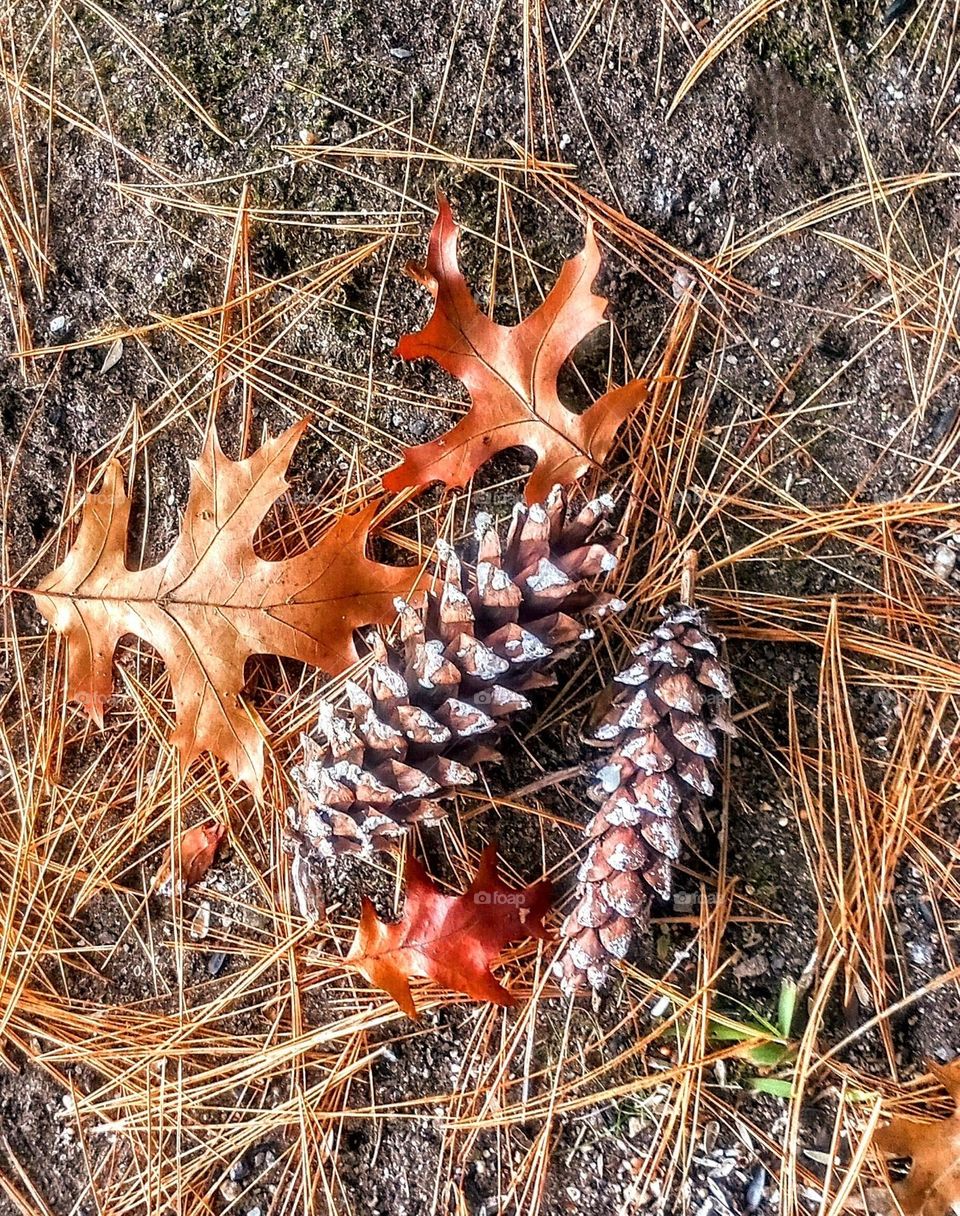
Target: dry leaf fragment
point(190, 858)
point(213, 601)
point(511, 375)
point(451, 939)
point(932, 1187)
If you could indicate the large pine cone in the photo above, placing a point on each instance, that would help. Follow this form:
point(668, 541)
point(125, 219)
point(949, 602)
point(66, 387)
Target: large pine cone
point(436, 699)
point(662, 724)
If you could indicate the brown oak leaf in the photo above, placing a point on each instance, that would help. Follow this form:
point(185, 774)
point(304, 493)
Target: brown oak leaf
point(213, 601)
point(510, 372)
point(190, 857)
point(932, 1186)
point(451, 939)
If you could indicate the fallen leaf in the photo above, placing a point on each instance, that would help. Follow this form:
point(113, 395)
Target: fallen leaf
point(932, 1187)
point(213, 602)
point(510, 373)
point(189, 858)
point(451, 939)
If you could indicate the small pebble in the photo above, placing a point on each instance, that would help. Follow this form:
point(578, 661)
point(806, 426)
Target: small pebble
point(944, 560)
point(754, 1192)
point(683, 282)
point(897, 9)
point(400, 52)
point(919, 953)
point(239, 1170)
point(230, 1191)
point(58, 325)
point(200, 925)
point(215, 963)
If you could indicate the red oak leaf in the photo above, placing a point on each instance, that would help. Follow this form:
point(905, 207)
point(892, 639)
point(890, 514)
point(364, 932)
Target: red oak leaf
point(213, 602)
point(451, 939)
point(510, 372)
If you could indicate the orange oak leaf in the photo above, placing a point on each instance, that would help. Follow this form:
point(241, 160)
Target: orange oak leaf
point(510, 372)
point(190, 857)
point(213, 601)
point(451, 939)
point(932, 1186)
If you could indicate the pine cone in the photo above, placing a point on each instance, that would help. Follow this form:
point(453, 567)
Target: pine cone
point(434, 703)
point(662, 725)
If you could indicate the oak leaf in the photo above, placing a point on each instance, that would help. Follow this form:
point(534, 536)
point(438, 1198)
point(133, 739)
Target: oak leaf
point(189, 858)
point(451, 939)
point(213, 601)
point(932, 1186)
point(510, 373)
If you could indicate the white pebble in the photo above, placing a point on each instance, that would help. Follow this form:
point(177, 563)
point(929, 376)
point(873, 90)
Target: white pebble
point(944, 560)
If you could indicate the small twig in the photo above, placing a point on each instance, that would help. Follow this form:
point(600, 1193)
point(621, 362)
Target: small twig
point(545, 782)
point(688, 578)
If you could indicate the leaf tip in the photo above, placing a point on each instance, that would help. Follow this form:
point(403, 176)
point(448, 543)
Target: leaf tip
point(444, 210)
point(488, 869)
point(401, 476)
point(366, 925)
point(92, 703)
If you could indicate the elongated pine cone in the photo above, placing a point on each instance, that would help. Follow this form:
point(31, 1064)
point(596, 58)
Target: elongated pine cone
point(434, 702)
point(662, 723)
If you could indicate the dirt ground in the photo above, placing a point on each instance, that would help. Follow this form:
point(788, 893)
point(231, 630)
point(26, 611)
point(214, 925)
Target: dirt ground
point(765, 130)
